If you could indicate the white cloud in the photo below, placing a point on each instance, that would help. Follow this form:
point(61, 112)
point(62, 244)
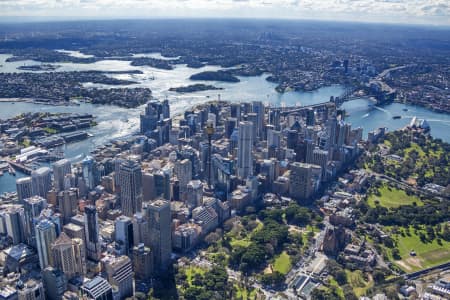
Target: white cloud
point(414, 11)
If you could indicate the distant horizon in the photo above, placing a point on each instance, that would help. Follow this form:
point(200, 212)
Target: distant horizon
point(418, 12)
point(55, 19)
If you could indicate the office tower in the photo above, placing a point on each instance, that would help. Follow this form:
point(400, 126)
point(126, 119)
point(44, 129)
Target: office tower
point(32, 209)
point(68, 255)
point(67, 204)
point(320, 158)
point(183, 171)
point(14, 220)
point(194, 194)
point(258, 109)
point(31, 290)
point(159, 221)
point(162, 184)
point(253, 118)
point(55, 283)
point(130, 178)
point(304, 180)
point(274, 138)
point(292, 139)
point(165, 109)
point(75, 231)
point(324, 140)
point(343, 133)
point(230, 125)
point(124, 232)
point(245, 146)
point(97, 288)
point(24, 188)
point(69, 181)
point(236, 111)
point(60, 169)
point(309, 145)
point(274, 118)
point(142, 257)
point(148, 186)
point(310, 117)
point(141, 230)
point(154, 111)
point(45, 236)
point(332, 130)
point(93, 250)
point(41, 181)
point(89, 172)
point(120, 274)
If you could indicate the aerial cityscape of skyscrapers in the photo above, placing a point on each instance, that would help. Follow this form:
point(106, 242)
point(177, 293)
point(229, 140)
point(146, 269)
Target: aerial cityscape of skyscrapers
point(126, 208)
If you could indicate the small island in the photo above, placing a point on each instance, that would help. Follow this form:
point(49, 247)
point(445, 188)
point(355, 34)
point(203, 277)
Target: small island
point(194, 88)
point(220, 75)
point(41, 67)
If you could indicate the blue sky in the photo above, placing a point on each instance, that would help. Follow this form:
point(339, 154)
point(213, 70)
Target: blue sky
point(435, 12)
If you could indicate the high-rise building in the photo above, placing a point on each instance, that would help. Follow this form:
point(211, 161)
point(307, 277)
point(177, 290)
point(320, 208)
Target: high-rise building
point(45, 236)
point(120, 274)
point(60, 169)
point(130, 178)
point(194, 194)
point(89, 173)
point(14, 219)
point(304, 180)
point(183, 171)
point(55, 283)
point(32, 209)
point(67, 204)
point(97, 288)
point(159, 221)
point(245, 146)
point(320, 157)
point(154, 111)
point(310, 117)
point(343, 133)
point(41, 181)
point(68, 255)
point(31, 290)
point(75, 231)
point(258, 109)
point(148, 187)
point(142, 262)
point(24, 188)
point(93, 250)
point(124, 232)
point(141, 229)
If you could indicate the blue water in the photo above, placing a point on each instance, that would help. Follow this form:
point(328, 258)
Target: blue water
point(115, 122)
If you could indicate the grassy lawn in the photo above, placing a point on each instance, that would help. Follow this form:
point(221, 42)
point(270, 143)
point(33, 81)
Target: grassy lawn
point(392, 198)
point(242, 237)
point(244, 294)
point(356, 280)
point(339, 290)
point(50, 130)
point(282, 263)
point(191, 271)
point(427, 254)
point(243, 243)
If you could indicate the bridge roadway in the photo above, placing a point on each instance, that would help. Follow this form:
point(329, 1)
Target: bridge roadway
point(292, 109)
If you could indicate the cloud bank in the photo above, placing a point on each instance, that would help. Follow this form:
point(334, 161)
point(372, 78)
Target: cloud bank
point(404, 11)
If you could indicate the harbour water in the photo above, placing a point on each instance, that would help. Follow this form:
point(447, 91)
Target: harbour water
point(114, 122)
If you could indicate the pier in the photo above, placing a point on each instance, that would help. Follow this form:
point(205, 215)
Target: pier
point(20, 167)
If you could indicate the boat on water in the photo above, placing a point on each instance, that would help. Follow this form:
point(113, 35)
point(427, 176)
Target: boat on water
point(396, 117)
point(405, 109)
